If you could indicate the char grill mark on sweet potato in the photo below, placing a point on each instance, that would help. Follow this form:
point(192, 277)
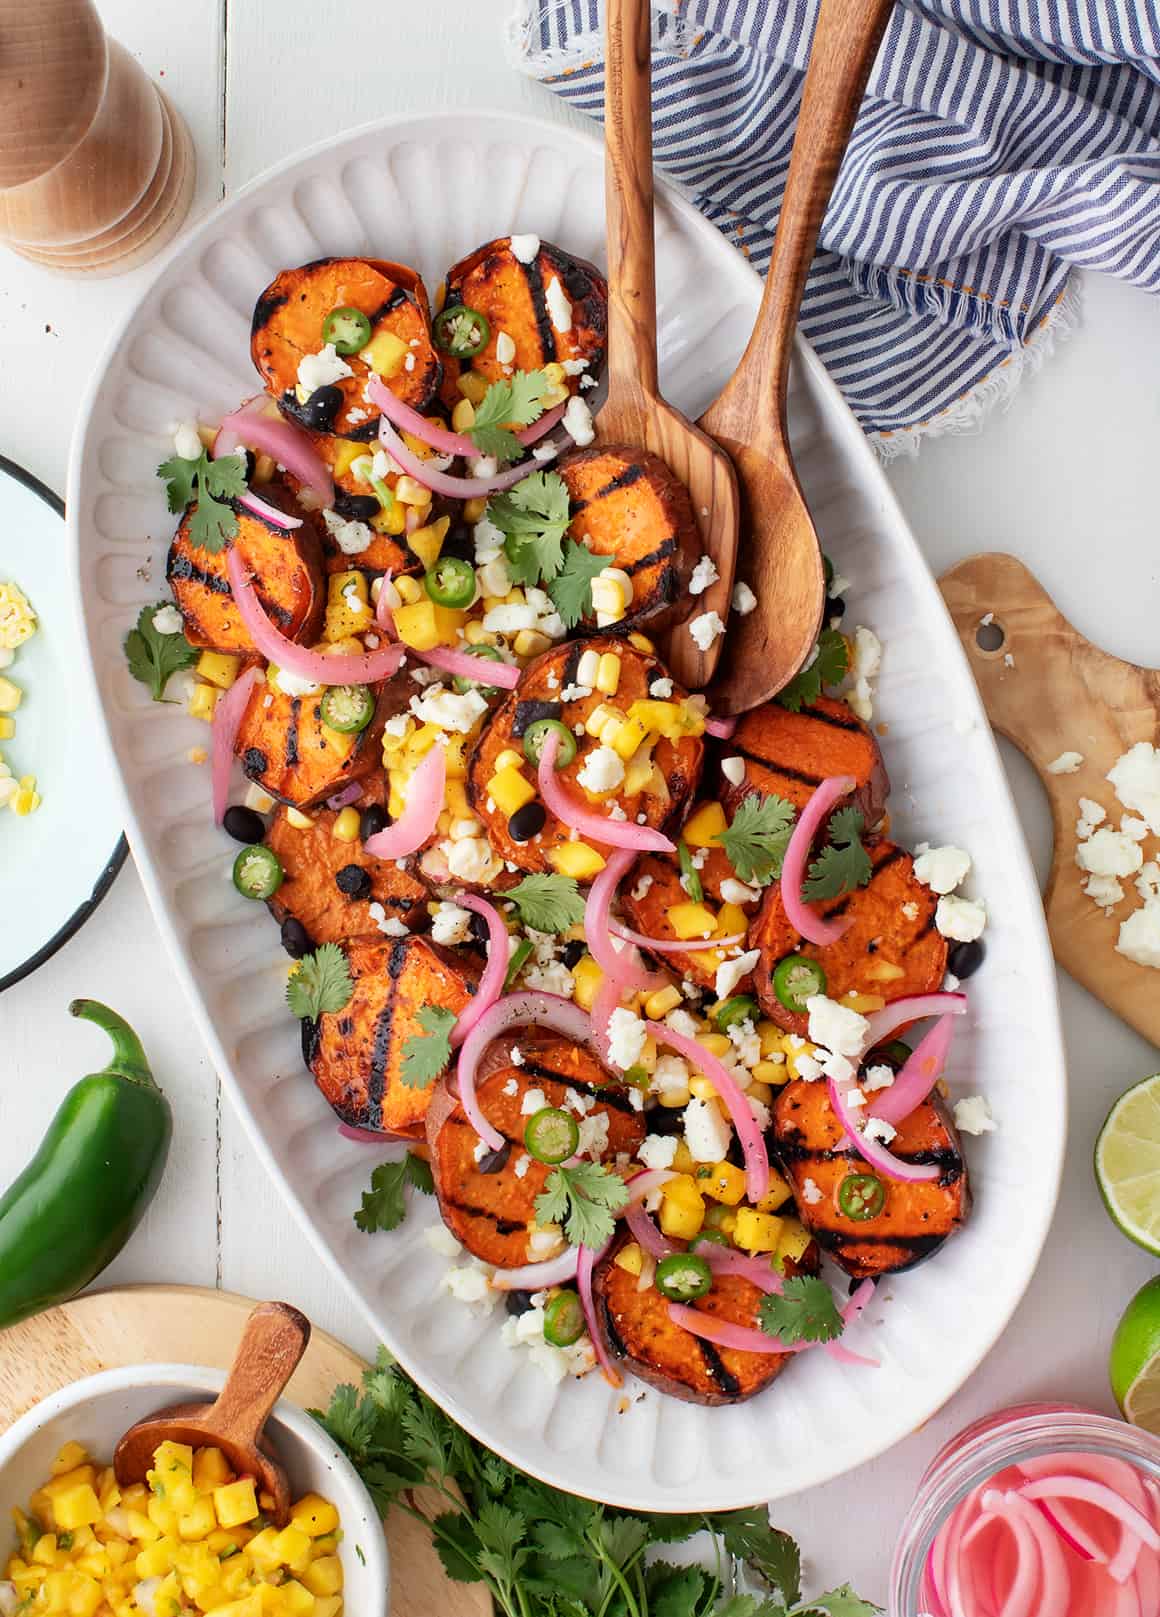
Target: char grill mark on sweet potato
point(291, 754)
point(287, 325)
point(312, 858)
point(679, 762)
point(287, 569)
point(356, 1054)
point(650, 912)
point(790, 754)
point(891, 927)
point(916, 1218)
point(488, 1204)
point(628, 506)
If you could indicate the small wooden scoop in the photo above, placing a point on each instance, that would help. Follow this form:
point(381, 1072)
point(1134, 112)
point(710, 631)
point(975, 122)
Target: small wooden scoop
point(273, 1342)
point(634, 412)
point(782, 560)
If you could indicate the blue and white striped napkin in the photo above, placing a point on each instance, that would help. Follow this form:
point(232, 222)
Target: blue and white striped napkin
point(1001, 144)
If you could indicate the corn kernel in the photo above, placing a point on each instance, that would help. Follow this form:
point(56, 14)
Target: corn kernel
point(600, 716)
point(793, 1056)
point(576, 859)
point(702, 1088)
point(346, 825)
point(627, 740)
point(704, 826)
point(586, 979)
point(531, 643)
point(756, 1232)
point(409, 588)
point(218, 667)
point(385, 354)
point(412, 492)
point(773, 1073)
point(473, 509)
point(722, 1181)
point(674, 1096)
point(264, 468)
point(296, 818)
point(662, 1002)
point(611, 730)
point(629, 1258)
point(756, 1090)
point(473, 386)
point(509, 758)
point(392, 521)
point(642, 642)
point(203, 699)
point(608, 674)
point(7, 729)
point(717, 1044)
point(463, 415)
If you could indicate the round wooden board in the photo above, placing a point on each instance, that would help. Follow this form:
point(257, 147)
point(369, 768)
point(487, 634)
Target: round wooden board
point(190, 1325)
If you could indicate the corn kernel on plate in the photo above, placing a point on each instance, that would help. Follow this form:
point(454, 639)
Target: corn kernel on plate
point(60, 819)
point(184, 357)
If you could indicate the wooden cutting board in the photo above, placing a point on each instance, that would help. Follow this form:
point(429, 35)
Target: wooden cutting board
point(189, 1325)
point(1049, 690)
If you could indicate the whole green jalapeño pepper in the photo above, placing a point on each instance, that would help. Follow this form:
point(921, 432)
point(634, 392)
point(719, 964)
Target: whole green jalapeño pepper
point(85, 1191)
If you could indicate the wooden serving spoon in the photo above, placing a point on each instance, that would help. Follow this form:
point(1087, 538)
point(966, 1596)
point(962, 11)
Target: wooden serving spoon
point(634, 411)
point(273, 1342)
point(782, 560)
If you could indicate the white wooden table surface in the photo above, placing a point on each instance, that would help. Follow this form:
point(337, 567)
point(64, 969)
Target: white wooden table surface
point(1066, 479)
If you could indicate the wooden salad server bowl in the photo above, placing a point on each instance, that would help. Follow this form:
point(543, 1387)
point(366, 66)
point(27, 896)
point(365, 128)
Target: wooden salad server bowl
point(634, 411)
point(273, 1342)
point(782, 560)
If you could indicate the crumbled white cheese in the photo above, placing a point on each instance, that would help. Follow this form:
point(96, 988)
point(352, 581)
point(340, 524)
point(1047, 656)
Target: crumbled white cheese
point(440, 1239)
point(470, 859)
point(167, 620)
point(294, 684)
point(352, 538)
point(449, 710)
point(322, 369)
point(1090, 815)
point(877, 1078)
point(730, 972)
point(1103, 890)
point(544, 1242)
point(626, 1037)
point(512, 1088)
point(483, 466)
point(855, 1097)
point(494, 577)
point(942, 869)
point(670, 1075)
point(733, 770)
point(807, 1069)
point(603, 771)
point(836, 1027)
point(471, 1286)
point(973, 1115)
point(877, 1128)
point(704, 574)
point(505, 348)
point(1109, 853)
point(1136, 778)
point(1066, 764)
point(1134, 828)
point(641, 889)
point(681, 1022)
point(389, 925)
point(811, 1195)
point(658, 1150)
point(865, 666)
point(736, 892)
point(510, 618)
point(522, 1164)
point(593, 1141)
point(576, 367)
point(1148, 881)
point(1139, 937)
point(707, 1133)
point(961, 919)
point(488, 540)
point(744, 600)
point(705, 629)
point(451, 925)
point(661, 688)
point(576, 1101)
point(577, 421)
point(558, 306)
point(525, 248)
point(534, 1101)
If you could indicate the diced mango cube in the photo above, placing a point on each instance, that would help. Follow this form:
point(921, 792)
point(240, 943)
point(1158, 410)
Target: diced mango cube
point(385, 354)
point(756, 1232)
point(793, 1240)
point(198, 1522)
point(704, 826)
point(218, 667)
point(236, 1502)
point(692, 921)
point(69, 1457)
point(682, 1208)
point(77, 1507)
point(722, 1181)
point(315, 1516)
point(630, 1259)
point(294, 1547)
point(203, 699)
point(416, 625)
point(510, 789)
point(576, 859)
point(426, 542)
point(776, 1196)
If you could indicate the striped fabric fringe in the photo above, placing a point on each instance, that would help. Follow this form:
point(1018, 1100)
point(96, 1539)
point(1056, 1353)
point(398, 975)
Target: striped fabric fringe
point(1002, 144)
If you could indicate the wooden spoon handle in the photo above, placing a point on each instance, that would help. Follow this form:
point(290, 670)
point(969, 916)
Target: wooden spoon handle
point(845, 44)
point(273, 1342)
point(628, 201)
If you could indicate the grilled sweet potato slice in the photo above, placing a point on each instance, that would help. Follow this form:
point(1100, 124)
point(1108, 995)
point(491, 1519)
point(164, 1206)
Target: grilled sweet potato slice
point(287, 568)
point(356, 1054)
point(489, 1204)
point(287, 749)
point(916, 1217)
point(636, 1327)
point(312, 858)
point(789, 754)
point(515, 298)
point(628, 506)
point(288, 321)
point(677, 763)
point(650, 912)
point(890, 947)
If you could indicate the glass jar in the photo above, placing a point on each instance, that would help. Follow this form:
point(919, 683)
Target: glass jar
point(989, 1446)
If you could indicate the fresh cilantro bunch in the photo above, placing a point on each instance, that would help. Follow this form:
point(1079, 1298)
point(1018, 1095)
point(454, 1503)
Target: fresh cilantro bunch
point(321, 983)
point(153, 657)
point(384, 1205)
point(516, 401)
point(550, 903)
point(543, 1553)
point(803, 1311)
point(843, 863)
point(426, 1054)
point(212, 522)
point(830, 666)
point(584, 1199)
point(534, 517)
point(756, 841)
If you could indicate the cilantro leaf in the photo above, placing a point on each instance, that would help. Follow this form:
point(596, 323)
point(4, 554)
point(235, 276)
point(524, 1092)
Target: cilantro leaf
point(843, 1602)
point(769, 1552)
point(153, 657)
point(830, 666)
point(756, 841)
point(212, 522)
point(674, 1591)
point(384, 1206)
point(571, 589)
point(583, 1199)
point(515, 401)
point(749, 1606)
point(321, 983)
point(533, 517)
point(426, 1054)
point(547, 903)
point(804, 1311)
point(843, 864)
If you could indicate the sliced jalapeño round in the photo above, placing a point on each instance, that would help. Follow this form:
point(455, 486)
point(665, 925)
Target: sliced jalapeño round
point(258, 872)
point(709, 1238)
point(552, 1135)
point(796, 979)
point(451, 582)
point(462, 683)
point(563, 1319)
point(682, 1276)
point(861, 1196)
point(348, 329)
point(348, 708)
point(536, 735)
point(460, 331)
point(741, 1008)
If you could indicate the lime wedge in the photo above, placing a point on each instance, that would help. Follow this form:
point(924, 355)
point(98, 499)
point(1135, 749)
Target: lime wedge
point(1128, 1163)
point(1134, 1363)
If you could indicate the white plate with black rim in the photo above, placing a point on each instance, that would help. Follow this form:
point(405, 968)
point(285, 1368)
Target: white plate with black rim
point(57, 863)
point(425, 190)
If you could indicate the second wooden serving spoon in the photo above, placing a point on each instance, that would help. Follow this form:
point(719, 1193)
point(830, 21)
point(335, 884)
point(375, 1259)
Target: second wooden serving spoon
point(781, 559)
point(273, 1342)
point(634, 412)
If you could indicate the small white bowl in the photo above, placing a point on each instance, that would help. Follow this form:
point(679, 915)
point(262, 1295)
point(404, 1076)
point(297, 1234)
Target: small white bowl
point(97, 1410)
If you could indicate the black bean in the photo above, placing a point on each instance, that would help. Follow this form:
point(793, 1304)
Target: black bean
point(965, 959)
point(460, 541)
point(572, 953)
point(356, 507)
point(372, 820)
point(527, 822)
point(243, 824)
point(666, 1120)
point(321, 407)
point(835, 609)
point(518, 1302)
point(354, 881)
point(478, 929)
point(295, 939)
point(496, 1161)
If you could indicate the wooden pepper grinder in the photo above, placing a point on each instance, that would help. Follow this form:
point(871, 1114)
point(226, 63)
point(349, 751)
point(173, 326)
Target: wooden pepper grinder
point(96, 168)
